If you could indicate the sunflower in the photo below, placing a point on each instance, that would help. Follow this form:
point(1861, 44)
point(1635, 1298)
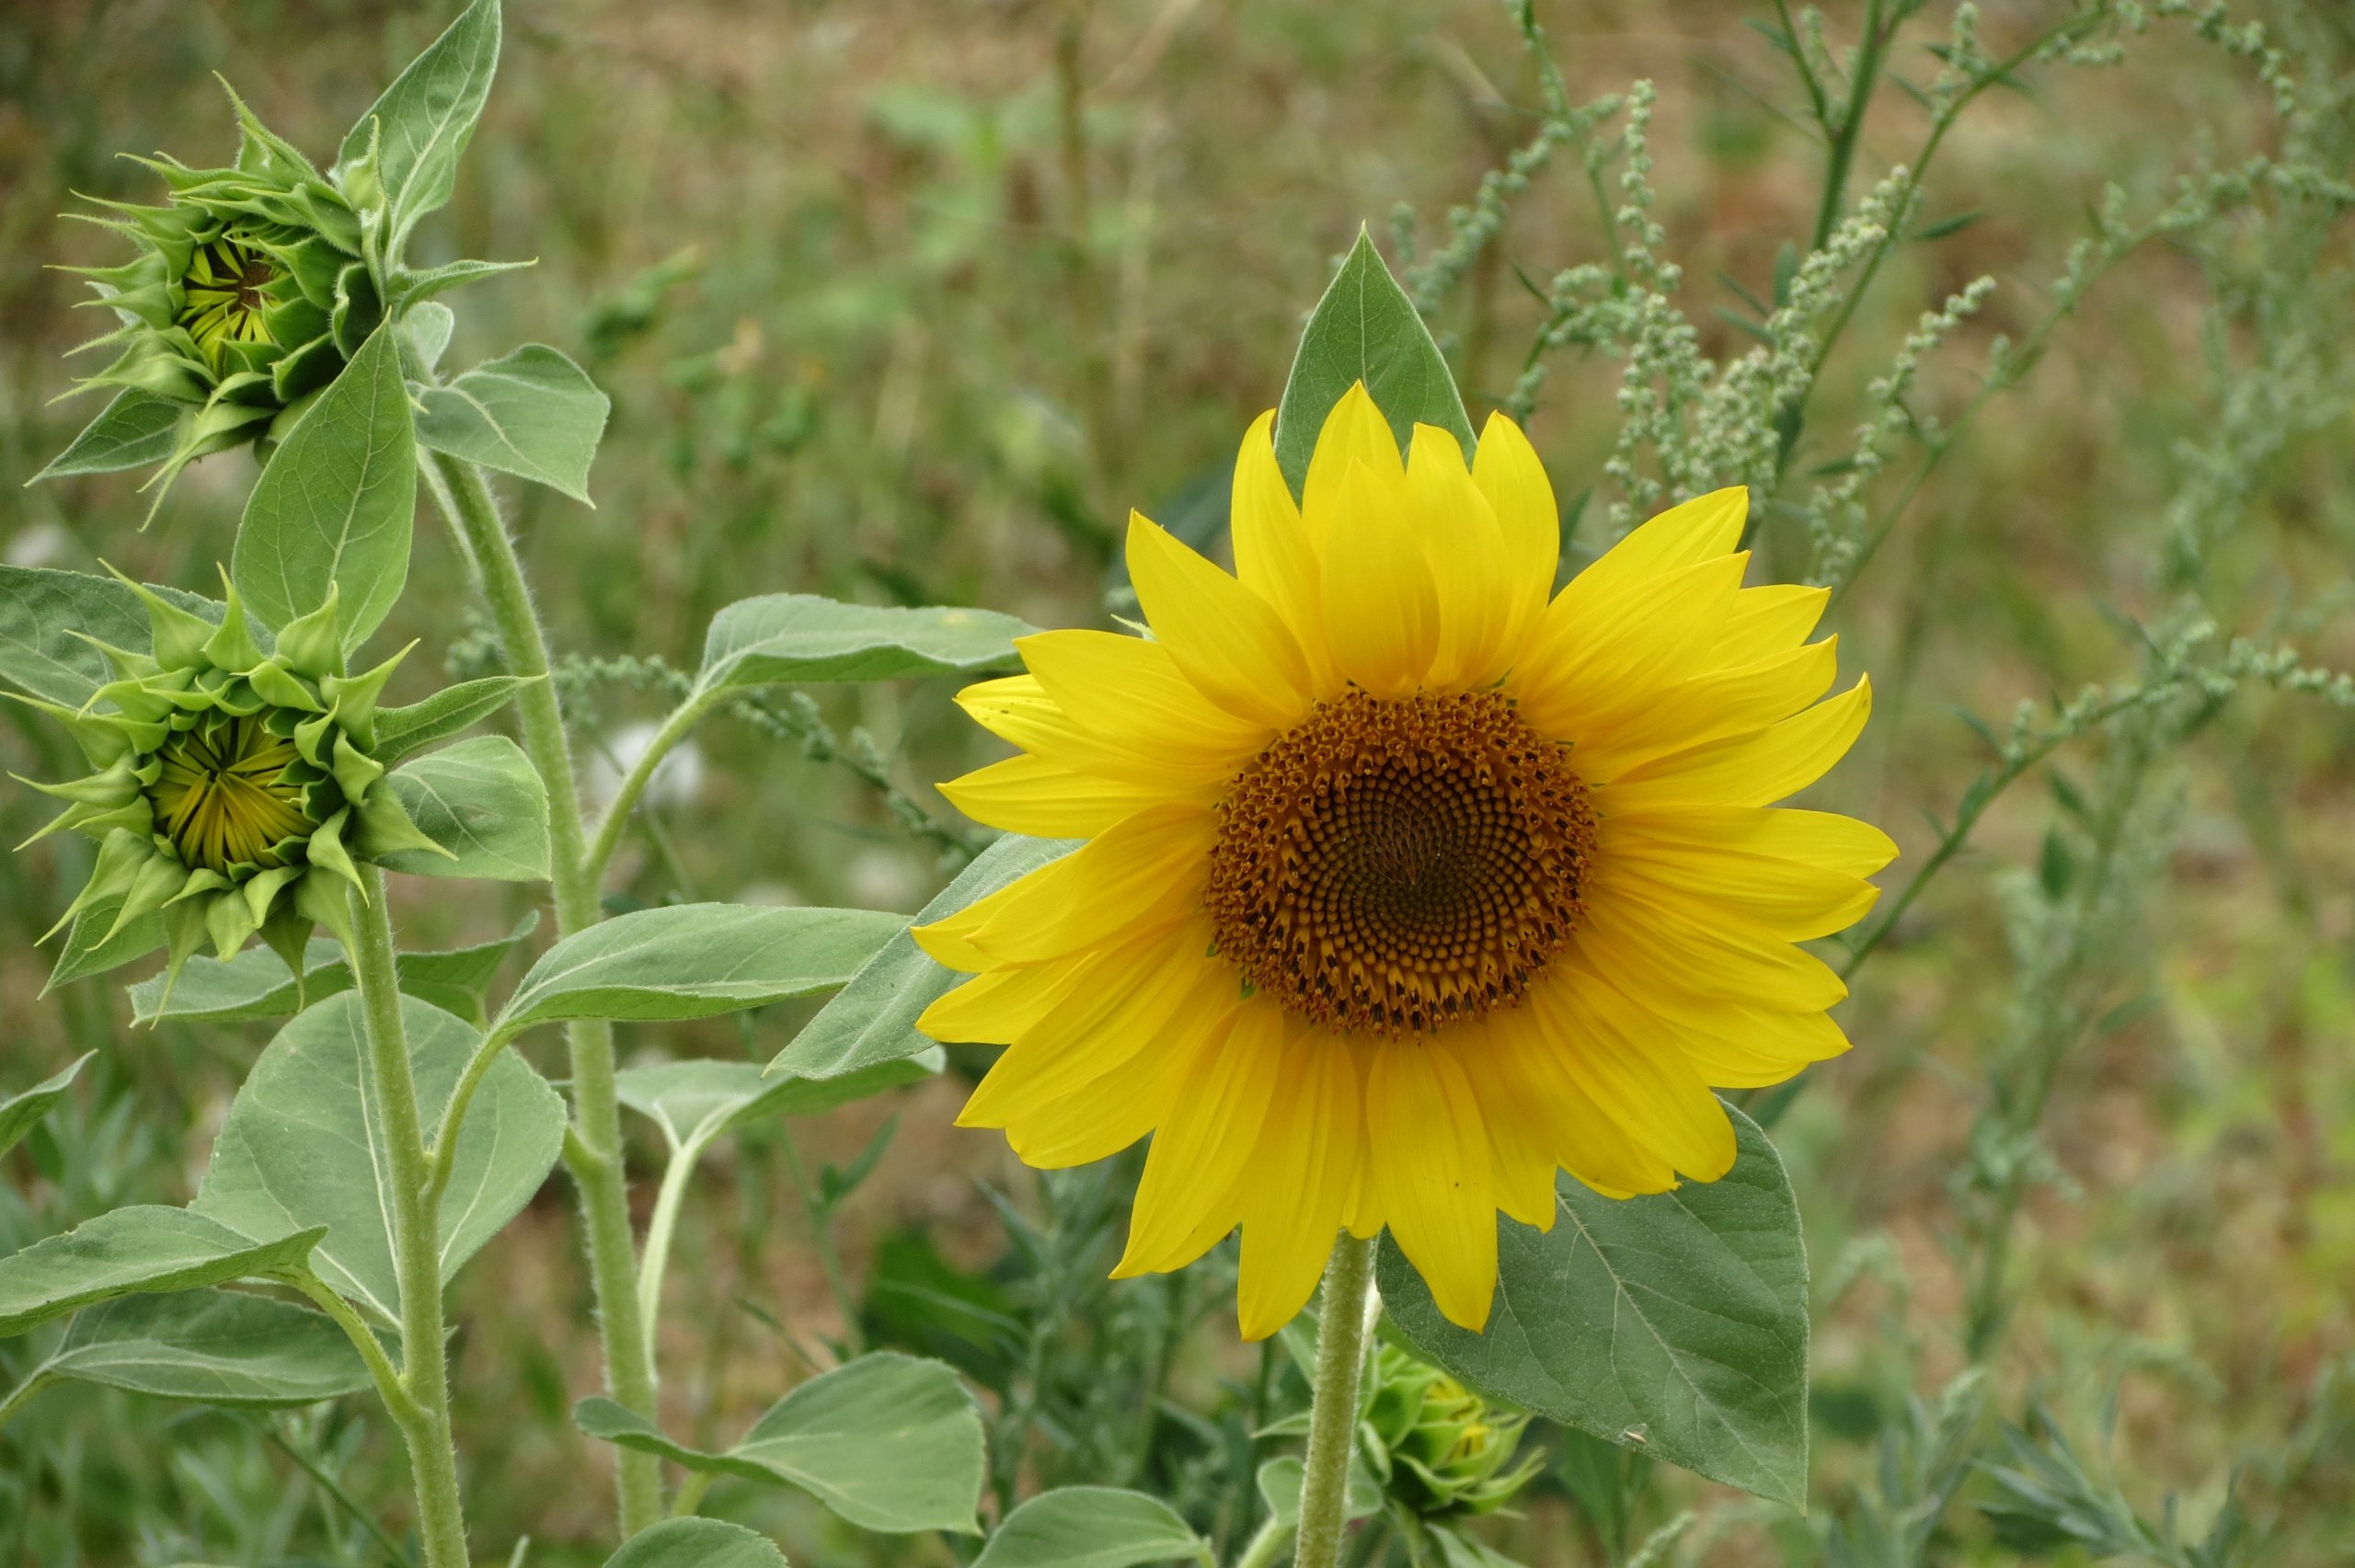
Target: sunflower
point(1407, 880)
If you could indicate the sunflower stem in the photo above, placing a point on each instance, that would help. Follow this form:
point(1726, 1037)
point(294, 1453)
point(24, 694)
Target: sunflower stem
point(417, 1250)
point(593, 1143)
point(1332, 1409)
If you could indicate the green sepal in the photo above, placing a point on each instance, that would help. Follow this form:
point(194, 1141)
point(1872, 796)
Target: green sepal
point(101, 739)
point(157, 883)
point(185, 931)
point(383, 827)
point(121, 854)
point(287, 933)
point(312, 644)
point(319, 899)
point(282, 689)
point(327, 853)
point(232, 645)
point(355, 772)
point(228, 920)
point(355, 698)
point(117, 784)
point(176, 636)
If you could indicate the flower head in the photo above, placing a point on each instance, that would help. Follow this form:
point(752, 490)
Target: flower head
point(247, 292)
point(1407, 881)
point(1444, 1450)
point(234, 789)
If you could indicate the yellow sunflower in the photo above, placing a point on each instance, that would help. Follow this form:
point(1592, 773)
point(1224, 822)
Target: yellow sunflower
point(1407, 881)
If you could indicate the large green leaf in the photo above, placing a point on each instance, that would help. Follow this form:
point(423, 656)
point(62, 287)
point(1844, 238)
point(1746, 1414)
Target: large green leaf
point(212, 1346)
point(533, 414)
point(481, 800)
point(47, 619)
point(782, 637)
point(258, 984)
point(695, 1102)
point(1365, 330)
point(889, 1442)
point(144, 1248)
point(337, 503)
point(450, 711)
point(1674, 1324)
point(874, 1019)
point(1092, 1526)
point(301, 1145)
point(697, 1543)
point(422, 122)
point(697, 960)
point(19, 1113)
point(135, 430)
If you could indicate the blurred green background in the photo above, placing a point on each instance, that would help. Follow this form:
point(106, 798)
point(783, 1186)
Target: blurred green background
point(909, 303)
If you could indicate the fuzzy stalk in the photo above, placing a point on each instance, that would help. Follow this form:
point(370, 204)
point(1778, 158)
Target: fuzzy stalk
point(593, 1148)
point(417, 1247)
point(1332, 1409)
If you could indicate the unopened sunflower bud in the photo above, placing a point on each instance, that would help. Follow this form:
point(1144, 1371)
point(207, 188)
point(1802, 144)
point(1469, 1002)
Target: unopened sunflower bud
point(235, 791)
point(248, 292)
point(1447, 1449)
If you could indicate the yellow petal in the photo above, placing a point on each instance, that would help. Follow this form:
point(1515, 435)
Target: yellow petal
point(992, 1009)
point(1522, 1162)
point(1660, 945)
point(1202, 1155)
point(1716, 706)
point(1226, 639)
point(1682, 536)
point(1796, 902)
point(1652, 1093)
point(1735, 1046)
point(1430, 1157)
point(1538, 1068)
point(1769, 619)
point(1472, 586)
point(1506, 470)
point(1381, 609)
point(1594, 660)
point(1272, 556)
point(1107, 1114)
point(1752, 770)
point(1354, 431)
point(1029, 794)
point(1132, 692)
point(1016, 708)
point(1308, 1160)
point(1148, 870)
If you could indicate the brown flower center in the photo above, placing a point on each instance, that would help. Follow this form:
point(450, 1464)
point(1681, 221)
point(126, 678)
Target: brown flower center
point(1396, 866)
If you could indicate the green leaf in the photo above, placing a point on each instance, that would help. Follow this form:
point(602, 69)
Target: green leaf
point(144, 1248)
point(1457, 1550)
point(697, 1543)
point(533, 414)
point(426, 117)
point(425, 328)
point(19, 1113)
point(888, 1442)
point(695, 1102)
point(301, 1146)
point(135, 430)
point(258, 984)
point(337, 503)
point(412, 290)
point(695, 961)
point(481, 800)
point(212, 1346)
point(1091, 1526)
point(1672, 1325)
point(450, 711)
point(1365, 330)
point(1280, 1483)
point(782, 637)
point(874, 1019)
point(48, 617)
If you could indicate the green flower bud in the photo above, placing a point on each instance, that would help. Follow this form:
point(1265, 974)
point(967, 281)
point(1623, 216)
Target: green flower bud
point(1445, 1448)
point(248, 291)
point(233, 791)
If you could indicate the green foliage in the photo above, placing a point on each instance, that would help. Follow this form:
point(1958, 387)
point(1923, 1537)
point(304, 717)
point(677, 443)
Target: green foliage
point(1695, 1299)
point(301, 1146)
point(137, 429)
point(696, 1102)
point(19, 1113)
point(695, 961)
point(143, 1248)
point(1365, 330)
point(697, 1543)
point(1092, 1526)
point(533, 413)
point(798, 637)
point(333, 512)
point(221, 1347)
point(258, 984)
point(483, 807)
point(409, 142)
point(888, 1442)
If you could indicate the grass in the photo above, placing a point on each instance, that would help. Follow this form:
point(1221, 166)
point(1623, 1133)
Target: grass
point(909, 303)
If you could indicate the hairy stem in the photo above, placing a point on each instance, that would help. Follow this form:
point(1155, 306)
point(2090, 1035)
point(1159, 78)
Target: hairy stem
point(417, 1246)
point(642, 771)
point(593, 1145)
point(13, 1400)
point(1267, 1548)
point(656, 1260)
point(1333, 1409)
